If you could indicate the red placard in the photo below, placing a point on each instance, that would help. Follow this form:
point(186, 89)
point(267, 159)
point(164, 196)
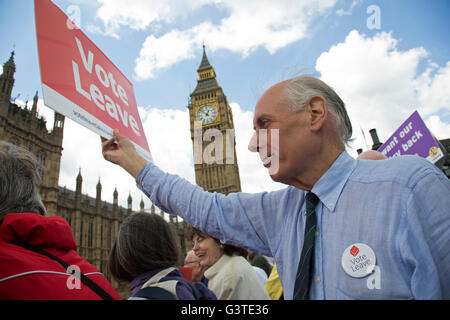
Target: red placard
point(80, 82)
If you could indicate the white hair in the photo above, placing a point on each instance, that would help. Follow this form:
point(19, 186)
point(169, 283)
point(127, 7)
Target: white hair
point(301, 89)
point(19, 181)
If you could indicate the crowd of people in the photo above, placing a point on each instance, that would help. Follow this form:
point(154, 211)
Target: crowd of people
point(342, 228)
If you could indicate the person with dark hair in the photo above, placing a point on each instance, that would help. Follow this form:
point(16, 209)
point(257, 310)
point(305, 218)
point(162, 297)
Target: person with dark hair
point(229, 274)
point(39, 258)
point(146, 254)
point(341, 228)
point(259, 261)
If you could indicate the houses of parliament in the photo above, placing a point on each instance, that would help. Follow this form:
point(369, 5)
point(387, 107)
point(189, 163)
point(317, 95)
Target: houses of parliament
point(95, 222)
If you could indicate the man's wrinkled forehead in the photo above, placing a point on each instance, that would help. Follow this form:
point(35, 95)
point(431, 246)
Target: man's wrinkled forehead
point(271, 102)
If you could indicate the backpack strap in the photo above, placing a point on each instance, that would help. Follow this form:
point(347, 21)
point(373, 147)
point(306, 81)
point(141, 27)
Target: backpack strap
point(198, 295)
point(155, 293)
point(85, 280)
point(166, 290)
point(157, 277)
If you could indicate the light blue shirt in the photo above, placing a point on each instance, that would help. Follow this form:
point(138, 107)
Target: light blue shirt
point(399, 207)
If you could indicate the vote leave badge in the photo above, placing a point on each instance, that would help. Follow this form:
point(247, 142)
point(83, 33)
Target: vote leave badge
point(358, 260)
point(81, 83)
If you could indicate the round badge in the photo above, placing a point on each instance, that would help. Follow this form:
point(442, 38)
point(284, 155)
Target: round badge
point(434, 151)
point(358, 260)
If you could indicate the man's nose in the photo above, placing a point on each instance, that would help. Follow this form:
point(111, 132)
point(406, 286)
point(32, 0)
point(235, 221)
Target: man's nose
point(195, 247)
point(253, 144)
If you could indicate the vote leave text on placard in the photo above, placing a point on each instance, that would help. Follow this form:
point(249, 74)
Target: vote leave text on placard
point(80, 82)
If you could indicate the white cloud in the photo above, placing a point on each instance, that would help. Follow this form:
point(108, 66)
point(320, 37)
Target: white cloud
point(140, 14)
point(382, 85)
point(440, 129)
point(432, 88)
point(161, 53)
point(82, 149)
point(254, 177)
point(168, 135)
point(349, 11)
point(169, 138)
point(249, 25)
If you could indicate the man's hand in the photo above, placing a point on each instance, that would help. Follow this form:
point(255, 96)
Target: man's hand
point(119, 150)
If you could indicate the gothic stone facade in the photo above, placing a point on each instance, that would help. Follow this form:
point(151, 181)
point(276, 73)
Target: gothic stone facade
point(94, 222)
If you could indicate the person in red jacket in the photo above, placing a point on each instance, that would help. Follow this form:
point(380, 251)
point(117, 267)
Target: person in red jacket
point(38, 254)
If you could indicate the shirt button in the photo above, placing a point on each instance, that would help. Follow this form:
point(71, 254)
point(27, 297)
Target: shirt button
point(318, 279)
point(317, 233)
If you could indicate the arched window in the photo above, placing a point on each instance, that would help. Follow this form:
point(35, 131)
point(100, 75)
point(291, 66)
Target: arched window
point(90, 232)
point(41, 160)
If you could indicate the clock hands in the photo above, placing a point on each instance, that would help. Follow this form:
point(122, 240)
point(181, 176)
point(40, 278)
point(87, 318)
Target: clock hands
point(207, 114)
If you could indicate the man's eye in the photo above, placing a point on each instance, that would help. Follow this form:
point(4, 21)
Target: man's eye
point(264, 124)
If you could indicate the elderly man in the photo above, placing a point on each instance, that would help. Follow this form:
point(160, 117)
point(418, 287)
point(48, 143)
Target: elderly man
point(342, 228)
point(192, 261)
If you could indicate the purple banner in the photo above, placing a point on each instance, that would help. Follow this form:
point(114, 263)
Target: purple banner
point(412, 137)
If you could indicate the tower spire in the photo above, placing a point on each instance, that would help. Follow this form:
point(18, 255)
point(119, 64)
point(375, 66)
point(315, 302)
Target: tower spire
point(205, 63)
point(79, 181)
point(115, 197)
point(130, 202)
point(206, 80)
point(7, 78)
point(34, 107)
point(10, 62)
point(78, 188)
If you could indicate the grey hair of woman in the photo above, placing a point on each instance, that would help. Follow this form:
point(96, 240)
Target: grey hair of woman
point(19, 181)
point(301, 89)
point(145, 242)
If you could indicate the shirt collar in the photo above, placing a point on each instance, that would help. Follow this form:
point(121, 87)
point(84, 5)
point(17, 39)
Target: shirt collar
point(216, 267)
point(329, 187)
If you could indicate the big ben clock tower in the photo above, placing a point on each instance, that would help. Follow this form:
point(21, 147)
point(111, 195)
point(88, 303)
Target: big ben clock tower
point(212, 134)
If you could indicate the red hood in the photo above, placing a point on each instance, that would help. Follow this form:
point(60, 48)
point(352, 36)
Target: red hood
point(37, 230)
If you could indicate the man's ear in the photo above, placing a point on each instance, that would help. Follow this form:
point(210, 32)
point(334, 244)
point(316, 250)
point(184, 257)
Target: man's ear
point(318, 110)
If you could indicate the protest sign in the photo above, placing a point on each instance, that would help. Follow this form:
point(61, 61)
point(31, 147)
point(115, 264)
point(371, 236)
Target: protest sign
point(412, 137)
point(80, 82)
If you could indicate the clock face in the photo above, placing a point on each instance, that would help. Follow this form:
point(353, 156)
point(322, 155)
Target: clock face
point(207, 114)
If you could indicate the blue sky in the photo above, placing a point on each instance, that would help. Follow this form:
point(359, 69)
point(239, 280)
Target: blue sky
point(416, 23)
point(404, 65)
